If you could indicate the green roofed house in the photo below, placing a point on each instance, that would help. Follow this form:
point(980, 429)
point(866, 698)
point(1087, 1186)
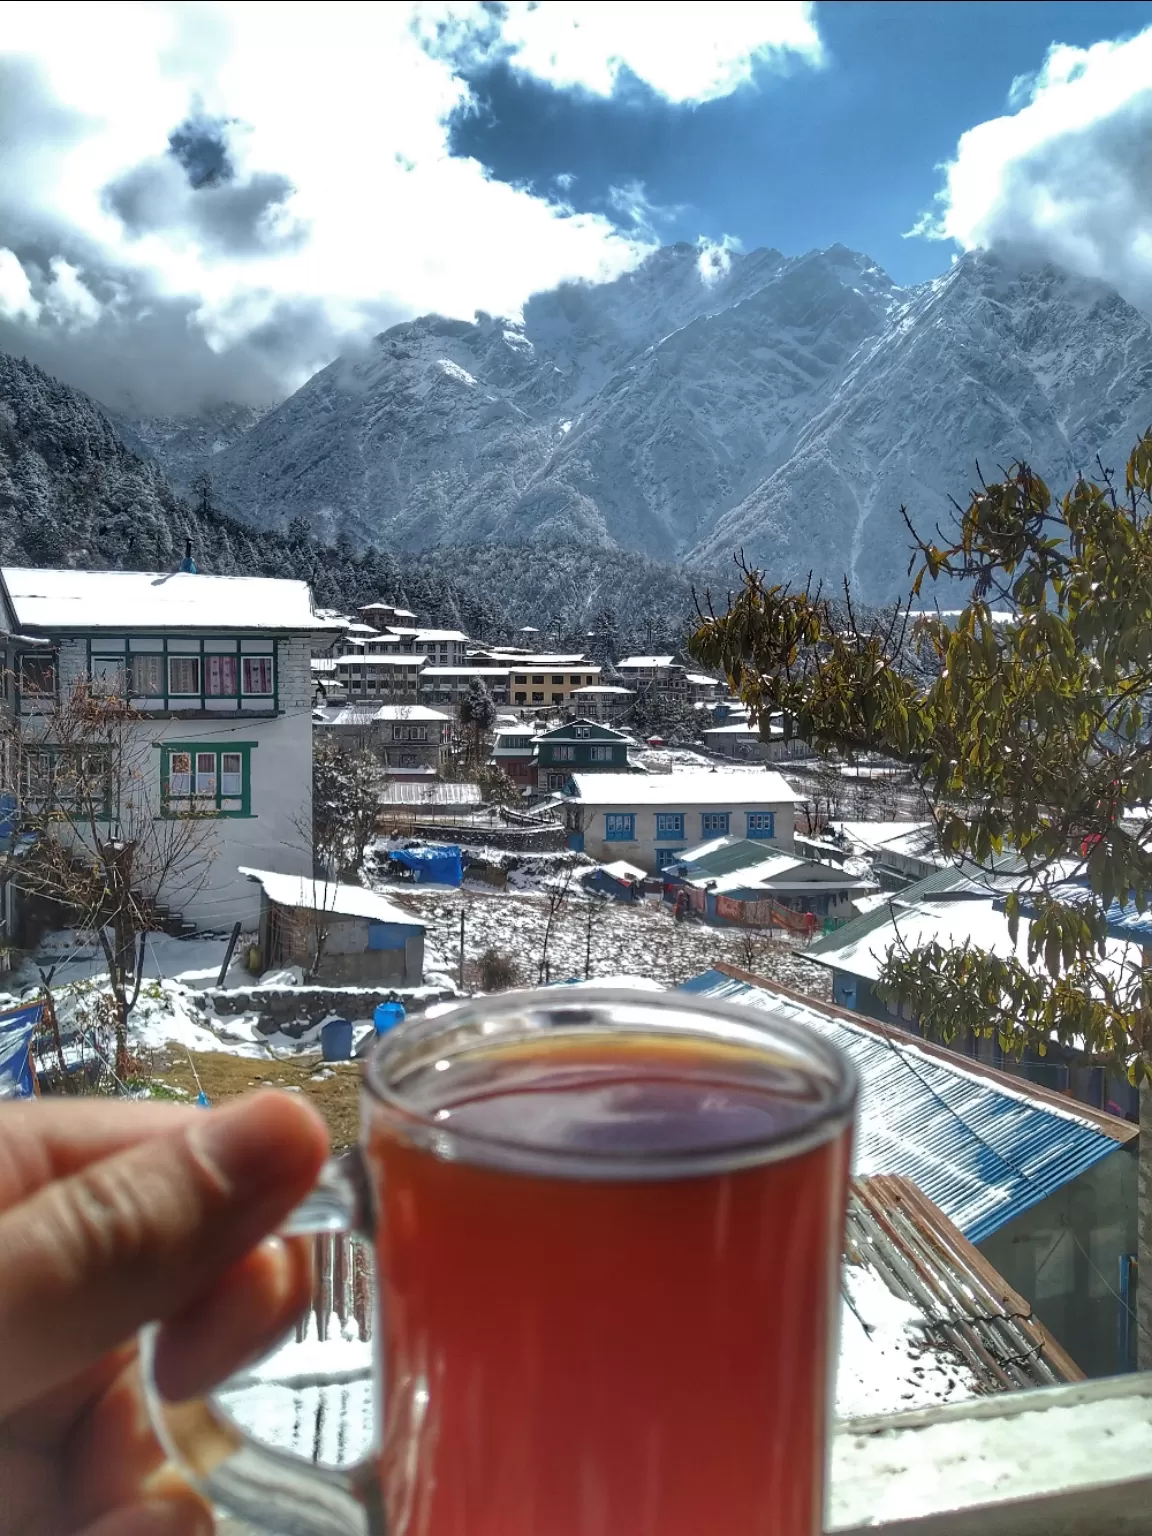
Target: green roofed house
point(579, 746)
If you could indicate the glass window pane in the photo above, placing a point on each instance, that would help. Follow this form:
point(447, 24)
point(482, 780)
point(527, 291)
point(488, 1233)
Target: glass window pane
point(258, 674)
point(180, 773)
point(148, 677)
point(206, 773)
point(184, 675)
point(231, 773)
point(108, 675)
point(220, 676)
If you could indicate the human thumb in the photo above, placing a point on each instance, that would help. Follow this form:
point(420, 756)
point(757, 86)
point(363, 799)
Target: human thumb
point(89, 1259)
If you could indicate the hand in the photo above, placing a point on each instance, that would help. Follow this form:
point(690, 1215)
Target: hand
point(111, 1216)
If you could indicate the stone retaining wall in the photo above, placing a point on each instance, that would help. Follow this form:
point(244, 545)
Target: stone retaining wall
point(281, 1008)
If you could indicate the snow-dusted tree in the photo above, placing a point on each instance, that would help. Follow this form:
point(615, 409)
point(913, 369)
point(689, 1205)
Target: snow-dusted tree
point(345, 803)
point(477, 716)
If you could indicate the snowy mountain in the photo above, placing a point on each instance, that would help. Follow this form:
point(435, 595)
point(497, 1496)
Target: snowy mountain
point(702, 404)
point(995, 362)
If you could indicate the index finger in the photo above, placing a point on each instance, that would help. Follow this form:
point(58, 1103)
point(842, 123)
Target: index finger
point(46, 1139)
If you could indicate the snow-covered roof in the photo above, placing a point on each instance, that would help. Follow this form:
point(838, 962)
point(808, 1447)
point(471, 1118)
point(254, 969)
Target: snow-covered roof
point(382, 661)
point(601, 688)
point(361, 629)
point(912, 839)
point(645, 661)
point(326, 897)
point(702, 678)
point(368, 713)
point(155, 600)
point(678, 789)
point(436, 634)
point(622, 870)
point(862, 946)
point(436, 793)
point(738, 728)
point(464, 672)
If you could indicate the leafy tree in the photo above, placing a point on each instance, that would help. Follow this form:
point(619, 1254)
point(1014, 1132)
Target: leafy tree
point(1030, 734)
point(477, 716)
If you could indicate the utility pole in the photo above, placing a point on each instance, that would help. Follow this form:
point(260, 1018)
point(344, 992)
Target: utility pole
point(461, 945)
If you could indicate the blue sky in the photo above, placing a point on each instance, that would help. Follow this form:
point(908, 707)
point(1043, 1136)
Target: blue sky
point(210, 199)
point(796, 160)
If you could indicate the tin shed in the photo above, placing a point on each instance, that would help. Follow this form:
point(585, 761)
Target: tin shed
point(341, 934)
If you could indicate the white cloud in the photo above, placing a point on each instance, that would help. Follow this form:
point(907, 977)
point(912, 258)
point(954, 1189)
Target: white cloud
point(16, 301)
point(1068, 174)
point(341, 209)
point(683, 50)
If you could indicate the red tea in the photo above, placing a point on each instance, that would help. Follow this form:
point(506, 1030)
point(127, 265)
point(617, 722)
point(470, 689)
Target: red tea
point(613, 1353)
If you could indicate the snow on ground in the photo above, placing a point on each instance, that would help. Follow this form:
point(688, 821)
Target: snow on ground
point(635, 939)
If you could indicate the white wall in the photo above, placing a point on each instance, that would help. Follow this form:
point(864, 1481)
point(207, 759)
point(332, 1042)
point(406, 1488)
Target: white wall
point(278, 833)
point(642, 850)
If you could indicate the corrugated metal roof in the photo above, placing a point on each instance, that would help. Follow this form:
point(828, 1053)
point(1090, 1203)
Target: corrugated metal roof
point(967, 1308)
point(1124, 919)
point(984, 1147)
point(439, 793)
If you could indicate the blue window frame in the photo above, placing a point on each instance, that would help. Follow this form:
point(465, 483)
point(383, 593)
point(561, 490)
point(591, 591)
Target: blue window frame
point(668, 856)
point(619, 826)
point(761, 824)
point(669, 824)
point(715, 823)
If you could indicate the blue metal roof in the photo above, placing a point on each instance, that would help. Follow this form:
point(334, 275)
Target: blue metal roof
point(1124, 919)
point(983, 1151)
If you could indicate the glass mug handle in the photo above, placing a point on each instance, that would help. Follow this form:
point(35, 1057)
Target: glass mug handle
point(269, 1488)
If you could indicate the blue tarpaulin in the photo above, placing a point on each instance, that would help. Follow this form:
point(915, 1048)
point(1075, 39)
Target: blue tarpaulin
point(432, 863)
point(16, 1030)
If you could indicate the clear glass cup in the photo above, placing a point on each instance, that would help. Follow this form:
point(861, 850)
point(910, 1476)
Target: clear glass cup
point(608, 1227)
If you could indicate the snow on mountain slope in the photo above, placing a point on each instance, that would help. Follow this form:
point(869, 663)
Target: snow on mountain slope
point(995, 362)
point(689, 428)
point(703, 403)
point(429, 433)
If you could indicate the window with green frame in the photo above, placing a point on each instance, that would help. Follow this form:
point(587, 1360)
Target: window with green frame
point(206, 778)
point(68, 779)
point(187, 674)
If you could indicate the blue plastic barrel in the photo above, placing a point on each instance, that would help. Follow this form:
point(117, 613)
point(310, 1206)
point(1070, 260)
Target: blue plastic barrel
point(387, 1016)
point(336, 1040)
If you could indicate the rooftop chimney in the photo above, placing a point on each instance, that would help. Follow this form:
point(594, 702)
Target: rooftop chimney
point(188, 564)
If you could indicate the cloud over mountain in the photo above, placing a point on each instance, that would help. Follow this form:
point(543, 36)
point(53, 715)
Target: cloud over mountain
point(1067, 174)
point(209, 201)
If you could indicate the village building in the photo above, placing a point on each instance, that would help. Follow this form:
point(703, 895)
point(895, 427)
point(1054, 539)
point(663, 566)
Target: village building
point(601, 701)
point(899, 851)
point(744, 742)
point(1043, 1187)
point(448, 685)
point(514, 751)
point(218, 670)
point(406, 737)
point(649, 819)
point(383, 677)
point(737, 880)
point(579, 746)
point(384, 615)
point(341, 934)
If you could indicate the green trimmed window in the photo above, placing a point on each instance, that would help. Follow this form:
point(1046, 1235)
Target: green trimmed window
point(206, 778)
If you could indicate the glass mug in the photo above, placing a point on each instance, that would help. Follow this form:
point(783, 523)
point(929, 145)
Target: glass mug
point(608, 1227)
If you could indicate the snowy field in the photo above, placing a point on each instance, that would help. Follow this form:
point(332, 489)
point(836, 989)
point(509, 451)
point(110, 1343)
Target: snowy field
point(590, 937)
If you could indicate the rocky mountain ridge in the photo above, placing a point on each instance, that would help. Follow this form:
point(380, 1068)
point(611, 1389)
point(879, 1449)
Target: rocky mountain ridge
point(783, 407)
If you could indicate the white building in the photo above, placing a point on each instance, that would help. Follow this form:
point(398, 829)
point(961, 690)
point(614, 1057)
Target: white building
point(649, 819)
point(217, 669)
